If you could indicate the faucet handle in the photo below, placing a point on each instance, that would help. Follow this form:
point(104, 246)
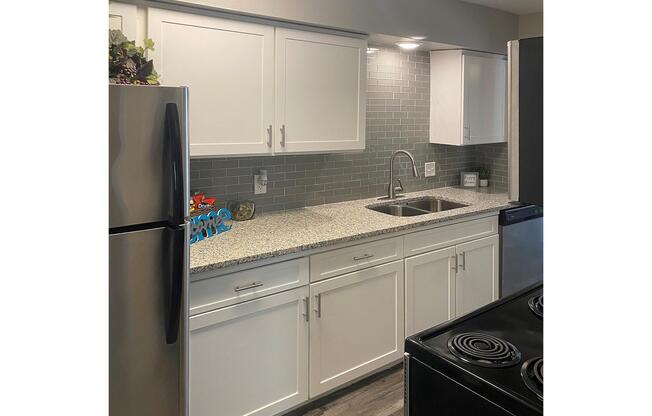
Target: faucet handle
point(398, 188)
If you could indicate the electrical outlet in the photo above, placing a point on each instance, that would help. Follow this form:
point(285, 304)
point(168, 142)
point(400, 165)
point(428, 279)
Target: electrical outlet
point(429, 169)
point(260, 186)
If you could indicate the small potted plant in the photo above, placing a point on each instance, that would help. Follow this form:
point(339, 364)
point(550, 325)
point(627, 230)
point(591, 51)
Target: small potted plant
point(483, 174)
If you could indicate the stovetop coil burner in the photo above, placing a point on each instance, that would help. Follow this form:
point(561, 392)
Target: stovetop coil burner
point(532, 374)
point(484, 350)
point(536, 305)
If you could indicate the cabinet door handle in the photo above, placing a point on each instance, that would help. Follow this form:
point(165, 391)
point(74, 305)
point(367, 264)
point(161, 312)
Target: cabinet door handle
point(283, 135)
point(363, 257)
point(249, 286)
point(269, 136)
point(463, 265)
point(306, 315)
point(318, 305)
point(454, 266)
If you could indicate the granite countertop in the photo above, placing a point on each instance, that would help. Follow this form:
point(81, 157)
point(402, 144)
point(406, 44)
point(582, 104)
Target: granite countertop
point(285, 232)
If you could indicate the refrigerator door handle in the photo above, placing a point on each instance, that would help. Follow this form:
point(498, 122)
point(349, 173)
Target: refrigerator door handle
point(173, 139)
point(175, 281)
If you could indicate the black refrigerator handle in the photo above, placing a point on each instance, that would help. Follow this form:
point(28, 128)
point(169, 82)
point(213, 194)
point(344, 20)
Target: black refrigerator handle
point(173, 138)
point(175, 281)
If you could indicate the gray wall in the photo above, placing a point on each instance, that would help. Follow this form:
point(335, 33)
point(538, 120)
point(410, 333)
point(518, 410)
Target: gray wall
point(445, 21)
point(397, 118)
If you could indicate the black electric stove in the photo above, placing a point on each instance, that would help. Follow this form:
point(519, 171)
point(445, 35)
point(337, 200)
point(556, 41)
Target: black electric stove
point(488, 362)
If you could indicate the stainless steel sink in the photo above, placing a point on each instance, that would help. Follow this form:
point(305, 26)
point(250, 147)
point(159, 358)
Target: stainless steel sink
point(419, 206)
point(434, 205)
point(399, 210)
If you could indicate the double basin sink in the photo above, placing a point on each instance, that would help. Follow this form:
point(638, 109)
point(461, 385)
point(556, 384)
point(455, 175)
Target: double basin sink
point(415, 207)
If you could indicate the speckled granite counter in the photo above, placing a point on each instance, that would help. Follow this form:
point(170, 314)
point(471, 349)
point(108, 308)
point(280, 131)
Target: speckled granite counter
point(280, 233)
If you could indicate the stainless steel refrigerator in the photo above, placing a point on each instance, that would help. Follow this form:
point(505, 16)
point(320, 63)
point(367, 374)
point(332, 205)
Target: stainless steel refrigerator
point(148, 250)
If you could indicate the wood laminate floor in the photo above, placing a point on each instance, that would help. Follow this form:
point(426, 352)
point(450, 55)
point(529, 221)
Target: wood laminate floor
point(379, 396)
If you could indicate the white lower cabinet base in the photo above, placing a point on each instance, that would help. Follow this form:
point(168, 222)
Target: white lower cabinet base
point(356, 325)
point(477, 281)
point(271, 354)
point(429, 290)
point(251, 358)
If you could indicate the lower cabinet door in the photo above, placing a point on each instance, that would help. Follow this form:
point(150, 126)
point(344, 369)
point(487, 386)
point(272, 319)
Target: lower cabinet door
point(250, 358)
point(477, 277)
point(429, 290)
point(356, 325)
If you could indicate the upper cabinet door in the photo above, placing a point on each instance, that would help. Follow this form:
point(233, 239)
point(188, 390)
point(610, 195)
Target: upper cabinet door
point(228, 66)
point(477, 274)
point(123, 17)
point(485, 95)
point(468, 97)
point(320, 92)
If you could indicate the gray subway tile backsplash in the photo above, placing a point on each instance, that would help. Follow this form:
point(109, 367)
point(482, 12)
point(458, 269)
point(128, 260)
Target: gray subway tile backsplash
point(398, 105)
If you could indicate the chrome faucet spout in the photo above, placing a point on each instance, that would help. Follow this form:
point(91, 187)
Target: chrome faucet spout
point(391, 190)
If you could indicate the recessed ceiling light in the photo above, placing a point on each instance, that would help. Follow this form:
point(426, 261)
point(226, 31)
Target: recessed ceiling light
point(418, 37)
point(372, 50)
point(408, 45)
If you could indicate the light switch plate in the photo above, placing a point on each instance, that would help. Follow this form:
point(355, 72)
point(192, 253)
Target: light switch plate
point(259, 188)
point(429, 169)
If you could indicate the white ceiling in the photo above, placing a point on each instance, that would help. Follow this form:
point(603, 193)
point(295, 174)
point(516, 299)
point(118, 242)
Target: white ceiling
point(512, 6)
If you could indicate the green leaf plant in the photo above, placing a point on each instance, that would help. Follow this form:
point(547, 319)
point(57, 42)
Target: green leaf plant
point(127, 62)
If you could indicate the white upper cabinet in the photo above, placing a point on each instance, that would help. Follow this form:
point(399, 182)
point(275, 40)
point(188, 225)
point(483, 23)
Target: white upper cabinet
point(257, 89)
point(123, 17)
point(320, 92)
point(229, 67)
point(468, 97)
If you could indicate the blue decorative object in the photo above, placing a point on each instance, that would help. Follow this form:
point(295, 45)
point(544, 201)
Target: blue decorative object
point(210, 224)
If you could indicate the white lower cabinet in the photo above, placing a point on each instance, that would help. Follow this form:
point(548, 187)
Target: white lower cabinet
point(448, 283)
point(356, 326)
point(429, 290)
point(250, 358)
point(476, 282)
point(266, 355)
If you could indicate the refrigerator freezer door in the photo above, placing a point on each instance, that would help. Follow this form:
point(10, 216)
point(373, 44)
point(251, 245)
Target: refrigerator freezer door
point(147, 153)
point(147, 359)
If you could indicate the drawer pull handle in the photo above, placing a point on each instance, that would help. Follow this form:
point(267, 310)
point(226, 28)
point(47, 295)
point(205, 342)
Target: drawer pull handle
point(269, 136)
point(306, 313)
point(454, 265)
point(249, 286)
point(463, 265)
point(318, 305)
point(363, 257)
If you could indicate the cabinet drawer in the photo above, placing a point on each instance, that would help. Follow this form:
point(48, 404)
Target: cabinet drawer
point(349, 259)
point(218, 292)
point(448, 235)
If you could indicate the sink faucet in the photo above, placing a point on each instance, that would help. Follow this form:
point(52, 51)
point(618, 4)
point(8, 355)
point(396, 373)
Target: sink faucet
point(391, 190)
